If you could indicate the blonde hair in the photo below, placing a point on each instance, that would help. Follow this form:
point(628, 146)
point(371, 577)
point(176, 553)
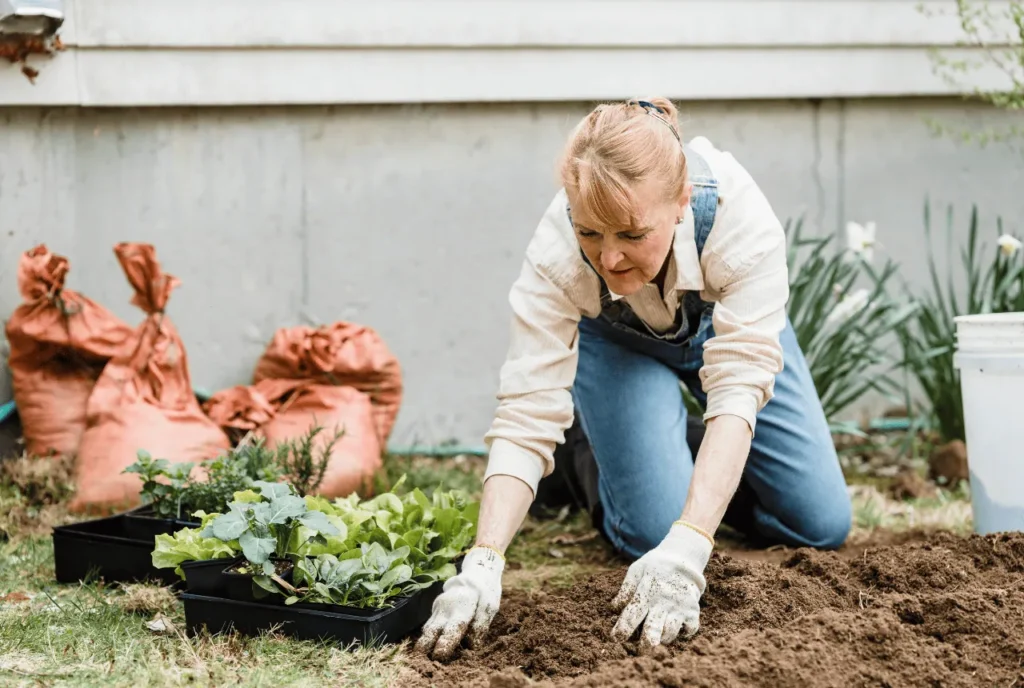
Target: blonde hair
point(617, 146)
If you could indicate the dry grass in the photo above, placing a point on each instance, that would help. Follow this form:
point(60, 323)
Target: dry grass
point(875, 511)
point(146, 599)
point(39, 480)
point(33, 494)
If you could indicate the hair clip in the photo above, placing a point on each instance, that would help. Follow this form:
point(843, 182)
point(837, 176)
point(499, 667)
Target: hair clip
point(648, 106)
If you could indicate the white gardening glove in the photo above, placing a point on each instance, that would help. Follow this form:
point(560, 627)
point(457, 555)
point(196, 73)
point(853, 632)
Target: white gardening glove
point(469, 602)
point(665, 586)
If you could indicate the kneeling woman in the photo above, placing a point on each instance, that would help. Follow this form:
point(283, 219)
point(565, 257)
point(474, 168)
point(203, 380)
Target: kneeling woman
point(657, 264)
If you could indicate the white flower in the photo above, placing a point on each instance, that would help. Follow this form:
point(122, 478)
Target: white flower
point(849, 306)
point(860, 239)
point(1009, 245)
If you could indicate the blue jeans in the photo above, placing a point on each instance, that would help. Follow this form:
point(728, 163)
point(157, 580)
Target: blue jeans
point(631, 408)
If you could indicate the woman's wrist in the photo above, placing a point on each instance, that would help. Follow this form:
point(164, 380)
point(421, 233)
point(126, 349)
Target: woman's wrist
point(503, 508)
point(716, 472)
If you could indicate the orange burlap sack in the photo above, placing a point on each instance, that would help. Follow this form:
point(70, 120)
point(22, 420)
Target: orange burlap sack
point(143, 400)
point(282, 410)
point(342, 354)
point(59, 341)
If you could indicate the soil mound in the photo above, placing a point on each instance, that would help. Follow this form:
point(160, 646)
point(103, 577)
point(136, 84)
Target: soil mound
point(945, 612)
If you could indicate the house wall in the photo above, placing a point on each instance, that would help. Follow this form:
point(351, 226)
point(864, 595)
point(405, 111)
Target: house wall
point(392, 175)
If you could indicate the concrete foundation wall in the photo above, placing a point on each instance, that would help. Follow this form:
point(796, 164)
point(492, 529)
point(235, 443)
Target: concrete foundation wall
point(413, 219)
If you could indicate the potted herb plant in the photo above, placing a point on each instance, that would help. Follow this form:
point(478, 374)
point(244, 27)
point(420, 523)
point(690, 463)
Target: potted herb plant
point(171, 503)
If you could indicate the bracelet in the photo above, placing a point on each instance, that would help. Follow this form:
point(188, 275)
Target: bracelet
point(697, 529)
point(492, 548)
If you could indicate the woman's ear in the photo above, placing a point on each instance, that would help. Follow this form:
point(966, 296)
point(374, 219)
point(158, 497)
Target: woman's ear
point(685, 200)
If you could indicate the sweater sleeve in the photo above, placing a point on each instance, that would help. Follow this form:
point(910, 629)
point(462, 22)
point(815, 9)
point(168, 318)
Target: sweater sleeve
point(745, 270)
point(534, 404)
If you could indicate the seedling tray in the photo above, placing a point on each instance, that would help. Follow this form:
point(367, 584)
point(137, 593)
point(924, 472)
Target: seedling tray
point(341, 624)
point(239, 586)
point(102, 548)
point(206, 577)
point(142, 524)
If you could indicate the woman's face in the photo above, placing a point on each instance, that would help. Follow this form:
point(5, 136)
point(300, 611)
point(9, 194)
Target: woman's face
point(628, 258)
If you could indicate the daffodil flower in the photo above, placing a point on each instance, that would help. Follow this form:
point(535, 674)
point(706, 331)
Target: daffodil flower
point(848, 306)
point(860, 239)
point(1009, 245)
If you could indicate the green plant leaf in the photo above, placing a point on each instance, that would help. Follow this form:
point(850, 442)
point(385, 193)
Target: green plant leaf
point(229, 526)
point(281, 509)
point(387, 501)
point(272, 490)
point(256, 549)
point(317, 520)
point(266, 583)
point(247, 497)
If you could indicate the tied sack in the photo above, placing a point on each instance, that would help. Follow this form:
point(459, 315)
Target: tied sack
point(343, 354)
point(59, 342)
point(143, 400)
point(285, 410)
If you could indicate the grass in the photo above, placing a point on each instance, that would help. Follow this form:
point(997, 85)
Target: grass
point(91, 634)
point(873, 511)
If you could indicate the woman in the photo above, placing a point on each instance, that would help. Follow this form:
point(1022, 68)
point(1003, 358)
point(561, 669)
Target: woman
point(657, 264)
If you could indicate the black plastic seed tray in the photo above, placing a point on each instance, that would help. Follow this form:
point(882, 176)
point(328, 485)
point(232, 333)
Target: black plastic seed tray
point(142, 524)
point(207, 577)
point(326, 622)
point(101, 548)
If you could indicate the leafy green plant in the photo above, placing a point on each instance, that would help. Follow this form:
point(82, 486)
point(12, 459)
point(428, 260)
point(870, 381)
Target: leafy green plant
point(230, 473)
point(928, 340)
point(366, 580)
point(303, 463)
point(165, 496)
point(271, 524)
point(400, 543)
point(175, 491)
point(352, 551)
point(189, 544)
point(842, 331)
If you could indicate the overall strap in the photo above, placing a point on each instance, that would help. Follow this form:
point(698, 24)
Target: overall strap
point(704, 199)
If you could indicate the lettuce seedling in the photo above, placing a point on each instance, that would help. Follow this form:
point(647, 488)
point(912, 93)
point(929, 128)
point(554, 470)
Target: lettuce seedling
point(188, 544)
point(394, 545)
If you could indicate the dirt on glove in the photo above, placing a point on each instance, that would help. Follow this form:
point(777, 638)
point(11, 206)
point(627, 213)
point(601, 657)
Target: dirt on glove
point(948, 611)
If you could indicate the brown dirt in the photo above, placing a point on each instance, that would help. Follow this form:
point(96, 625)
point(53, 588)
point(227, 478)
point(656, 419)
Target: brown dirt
point(945, 612)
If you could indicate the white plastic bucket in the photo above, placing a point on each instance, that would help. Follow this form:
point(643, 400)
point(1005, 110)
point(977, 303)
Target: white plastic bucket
point(990, 358)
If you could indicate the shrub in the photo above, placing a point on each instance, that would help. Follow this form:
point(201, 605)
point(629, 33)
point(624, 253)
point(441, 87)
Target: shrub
point(928, 340)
